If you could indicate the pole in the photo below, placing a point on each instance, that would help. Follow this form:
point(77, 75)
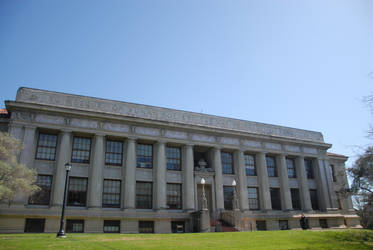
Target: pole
point(61, 232)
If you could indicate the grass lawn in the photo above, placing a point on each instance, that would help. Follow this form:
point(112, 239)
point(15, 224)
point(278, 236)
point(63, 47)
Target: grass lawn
point(326, 239)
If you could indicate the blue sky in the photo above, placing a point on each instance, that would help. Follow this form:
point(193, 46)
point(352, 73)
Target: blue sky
point(303, 64)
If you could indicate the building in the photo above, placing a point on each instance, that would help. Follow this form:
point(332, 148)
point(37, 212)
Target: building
point(138, 168)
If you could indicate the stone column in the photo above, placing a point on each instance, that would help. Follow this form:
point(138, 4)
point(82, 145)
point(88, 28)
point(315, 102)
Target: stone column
point(216, 161)
point(188, 176)
point(264, 194)
point(63, 156)
point(129, 177)
point(160, 175)
point(239, 169)
point(303, 182)
point(325, 185)
point(95, 181)
point(284, 183)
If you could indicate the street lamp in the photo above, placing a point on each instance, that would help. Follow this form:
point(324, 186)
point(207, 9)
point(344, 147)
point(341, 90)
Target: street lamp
point(61, 233)
point(235, 199)
point(204, 200)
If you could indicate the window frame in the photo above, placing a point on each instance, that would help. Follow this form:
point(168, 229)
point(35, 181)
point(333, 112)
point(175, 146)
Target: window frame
point(113, 153)
point(28, 227)
point(275, 205)
point(257, 198)
point(151, 195)
point(294, 169)
point(171, 158)
point(315, 198)
point(224, 163)
point(246, 165)
point(89, 151)
point(138, 165)
point(141, 228)
point(310, 169)
point(228, 203)
point(107, 193)
point(38, 193)
point(295, 200)
point(86, 192)
point(274, 165)
point(333, 172)
point(68, 221)
point(113, 222)
point(180, 199)
point(38, 146)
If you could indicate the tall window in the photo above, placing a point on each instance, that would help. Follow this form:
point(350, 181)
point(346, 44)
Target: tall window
point(174, 196)
point(144, 195)
point(74, 226)
point(227, 162)
point(111, 193)
point(228, 197)
point(332, 170)
point(253, 198)
point(42, 197)
point(275, 198)
point(250, 165)
point(77, 193)
point(81, 150)
point(291, 168)
point(308, 163)
point(314, 199)
point(271, 166)
point(47, 144)
point(173, 156)
point(295, 198)
point(111, 226)
point(114, 153)
point(144, 156)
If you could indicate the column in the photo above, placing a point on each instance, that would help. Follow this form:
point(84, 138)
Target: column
point(216, 161)
point(129, 177)
point(325, 185)
point(95, 181)
point(284, 183)
point(303, 181)
point(239, 169)
point(160, 175)
point(264, 194)
point(63, 156)
point(188, 175)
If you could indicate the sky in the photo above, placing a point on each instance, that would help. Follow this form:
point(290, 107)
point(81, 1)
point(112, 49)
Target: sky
point(303, 64)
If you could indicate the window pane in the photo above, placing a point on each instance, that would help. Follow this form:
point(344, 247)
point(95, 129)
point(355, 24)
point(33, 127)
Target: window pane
point(253, 198)
point(295, 199)
point(227, 162)
point(74, 226)
point(250, 165)
point(77, 193)
point(174, 196)
point(275, 198)
point(111, 193)
point(42, 197)
point(146, 227)
point(46, 147)
point(111, 226)
point(81, 150)
point(291, 168)
point(144, 195)
point(271, 166)
point(144, 156)
point(173, 156)
point(308, 163)
point(228, 197)
point(114, 153)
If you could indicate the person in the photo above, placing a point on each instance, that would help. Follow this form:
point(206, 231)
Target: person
point(303, 222)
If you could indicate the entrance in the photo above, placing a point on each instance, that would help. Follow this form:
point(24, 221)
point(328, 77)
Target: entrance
point(208, 196)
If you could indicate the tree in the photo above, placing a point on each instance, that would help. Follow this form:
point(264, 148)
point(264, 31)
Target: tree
point(15, 178)
point(361, 173)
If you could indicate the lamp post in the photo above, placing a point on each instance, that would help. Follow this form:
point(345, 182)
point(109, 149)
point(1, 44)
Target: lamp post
point(204, 200)
point(61, 232)
point(235, 198)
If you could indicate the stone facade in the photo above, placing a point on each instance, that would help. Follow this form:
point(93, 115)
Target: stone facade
point(197, 137)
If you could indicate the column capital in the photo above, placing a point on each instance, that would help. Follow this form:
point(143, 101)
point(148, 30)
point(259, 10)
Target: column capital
point(131, 138)
point(161, 142)
point(189, 144)
point(30, 126)
point(99, 135)
point(66, 131)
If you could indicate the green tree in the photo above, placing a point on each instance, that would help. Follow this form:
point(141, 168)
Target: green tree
point(15, 178)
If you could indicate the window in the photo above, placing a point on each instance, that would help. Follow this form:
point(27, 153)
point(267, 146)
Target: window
point(271, 166)
point(173, 156)
point(114, 153)
point(111, 226)
point(77, 194)
point(339, 200)
point(34, 225)
point(253, 198)
point(332, 170)
point(228, 197)
point(295, 199)
point(81, 150)
point(291, 168)
point(46, 149)
point(42, 197)
point(314, 199)
point(227, 162)
point(146, 227)
point(284, 224)
point(178, 226)
point(144, 156)
point(308, 163)
point(111, 193)
point(74, 226)
point(144, 195)
point(261, 225)
point(323, 223)
point(250, 165)
point(275, 198)
point(174, 196)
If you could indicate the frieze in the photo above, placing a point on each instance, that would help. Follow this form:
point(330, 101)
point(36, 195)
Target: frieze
point(147, 131)
point(308, 150)
point(251, 144)
point(83, 123)
point(116, 127)
point(175, 134)
point(274, 146)
point(160, 114)
point(291, 148)
point(230, 141)
point(203, 138)
point(50, 119)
